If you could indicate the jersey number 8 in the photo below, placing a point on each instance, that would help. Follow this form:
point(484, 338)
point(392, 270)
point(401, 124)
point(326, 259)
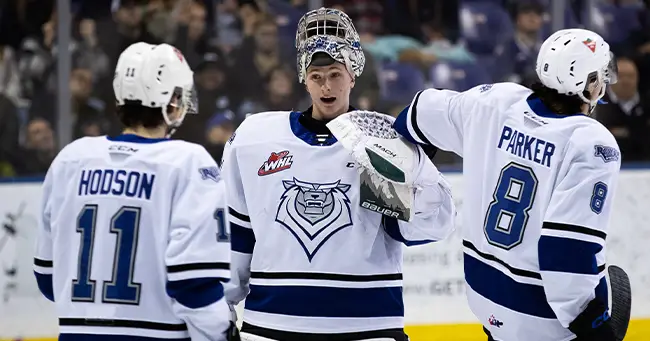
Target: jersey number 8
point(507, 215)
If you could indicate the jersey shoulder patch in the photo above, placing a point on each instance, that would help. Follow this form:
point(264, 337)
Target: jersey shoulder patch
point(210, 173)
point(607, 153)
point(499, 95)
point(592, 137)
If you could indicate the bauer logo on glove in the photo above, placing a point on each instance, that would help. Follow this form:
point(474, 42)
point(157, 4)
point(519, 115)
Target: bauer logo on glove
point(386, 161)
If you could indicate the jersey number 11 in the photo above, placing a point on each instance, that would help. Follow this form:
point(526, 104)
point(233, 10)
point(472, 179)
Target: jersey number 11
point(125, 224)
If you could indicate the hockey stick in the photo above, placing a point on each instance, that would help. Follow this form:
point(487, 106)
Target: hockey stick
point(621, 300)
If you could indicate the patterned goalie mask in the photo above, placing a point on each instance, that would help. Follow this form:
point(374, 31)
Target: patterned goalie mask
point(332, 32)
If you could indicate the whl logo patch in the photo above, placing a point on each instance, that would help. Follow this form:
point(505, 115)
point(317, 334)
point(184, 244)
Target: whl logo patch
point(277, 162)
point(494, 322)
point(590, 44)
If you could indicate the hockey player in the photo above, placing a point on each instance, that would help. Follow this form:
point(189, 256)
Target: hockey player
point(539, 177)
point(311, 263)
point(132, 242)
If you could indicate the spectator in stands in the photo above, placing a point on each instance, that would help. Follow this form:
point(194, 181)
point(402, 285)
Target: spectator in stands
point(367, 15)
point(191, 35)
point(87, 111)
point(10, 85)
point(365, 94)
point(627, 114)
point(639, 45)
point(160, 20)
point(226, 23)
point(213, 92)
point(256, 58)
point(249, 14)
point(405, 17)
point(21, 18)
point(438, 44)
point(281, 93)
point(37, 63)
point(90, 52)
point(219, 129)
point(9, 134)
point(39, 149)
point(130, 27)
point(518, 56)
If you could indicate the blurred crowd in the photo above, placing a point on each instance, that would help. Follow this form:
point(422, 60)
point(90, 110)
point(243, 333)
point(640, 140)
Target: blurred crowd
point(243, 56)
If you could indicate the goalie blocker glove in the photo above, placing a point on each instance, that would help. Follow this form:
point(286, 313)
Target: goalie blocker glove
point(593, 324)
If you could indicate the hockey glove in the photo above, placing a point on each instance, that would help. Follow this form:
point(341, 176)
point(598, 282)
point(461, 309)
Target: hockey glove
point(386, 161)
point(593, 323)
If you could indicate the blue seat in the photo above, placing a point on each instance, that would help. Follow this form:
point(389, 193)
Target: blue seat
point(286, 16)
point(399, 82)
point(458, 76)
point(484, 25)
point(570, 21)
point(613, 23)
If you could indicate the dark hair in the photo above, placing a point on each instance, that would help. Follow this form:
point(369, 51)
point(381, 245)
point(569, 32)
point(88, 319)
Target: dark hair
point(133, 114)
point(559, 103)
point(265, 20)
point(564, 104)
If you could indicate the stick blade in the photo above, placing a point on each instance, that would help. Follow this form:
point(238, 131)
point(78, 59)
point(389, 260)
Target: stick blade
point(621, 300)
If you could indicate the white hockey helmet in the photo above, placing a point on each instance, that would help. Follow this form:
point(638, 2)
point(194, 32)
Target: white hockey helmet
point(153, 75)
point(570, 60)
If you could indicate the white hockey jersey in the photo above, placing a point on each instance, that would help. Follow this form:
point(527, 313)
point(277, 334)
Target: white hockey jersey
point(313, 259)
point(538, 190)
point(133, 242)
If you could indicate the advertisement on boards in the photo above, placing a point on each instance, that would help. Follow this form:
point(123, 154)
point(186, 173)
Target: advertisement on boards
point(434, 292)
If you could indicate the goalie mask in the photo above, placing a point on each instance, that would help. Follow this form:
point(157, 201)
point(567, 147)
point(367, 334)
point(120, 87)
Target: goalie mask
point(332, 32)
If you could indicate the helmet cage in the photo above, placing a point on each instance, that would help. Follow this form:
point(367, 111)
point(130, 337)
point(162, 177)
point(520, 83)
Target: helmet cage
point(332, 32)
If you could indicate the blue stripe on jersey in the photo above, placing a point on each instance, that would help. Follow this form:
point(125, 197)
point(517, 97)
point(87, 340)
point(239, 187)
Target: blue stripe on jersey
point(391, 226)
point(536, 104)
point(98, 337)
point(45, 285)
point(568, 255)
point(305, 134)
point(135, 139)
point(241, 239)
point(497, 287)
point(196, 292)
point(401, 126)
point(325, 301)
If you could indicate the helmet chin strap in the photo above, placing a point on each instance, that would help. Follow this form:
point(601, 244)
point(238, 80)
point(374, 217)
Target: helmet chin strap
point(172, 126)
point(593, 103)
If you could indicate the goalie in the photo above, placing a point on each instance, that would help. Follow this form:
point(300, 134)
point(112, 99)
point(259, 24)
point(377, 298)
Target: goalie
point(317, 253)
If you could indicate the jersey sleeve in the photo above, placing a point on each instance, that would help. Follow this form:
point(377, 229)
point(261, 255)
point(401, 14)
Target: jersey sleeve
point(435, 117)
point(198, 255)
point(43, 258)
point(572, 243)
point(434, 210)
point(242, 235)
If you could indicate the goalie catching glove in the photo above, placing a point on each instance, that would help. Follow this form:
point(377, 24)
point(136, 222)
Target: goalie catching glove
point(388, 163)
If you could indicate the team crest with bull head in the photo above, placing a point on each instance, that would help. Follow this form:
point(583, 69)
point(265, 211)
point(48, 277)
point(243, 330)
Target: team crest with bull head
point(314, 212)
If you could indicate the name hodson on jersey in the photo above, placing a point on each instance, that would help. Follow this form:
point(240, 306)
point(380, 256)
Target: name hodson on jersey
point(306, 257)
point(132, 242)
point(537, 189)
